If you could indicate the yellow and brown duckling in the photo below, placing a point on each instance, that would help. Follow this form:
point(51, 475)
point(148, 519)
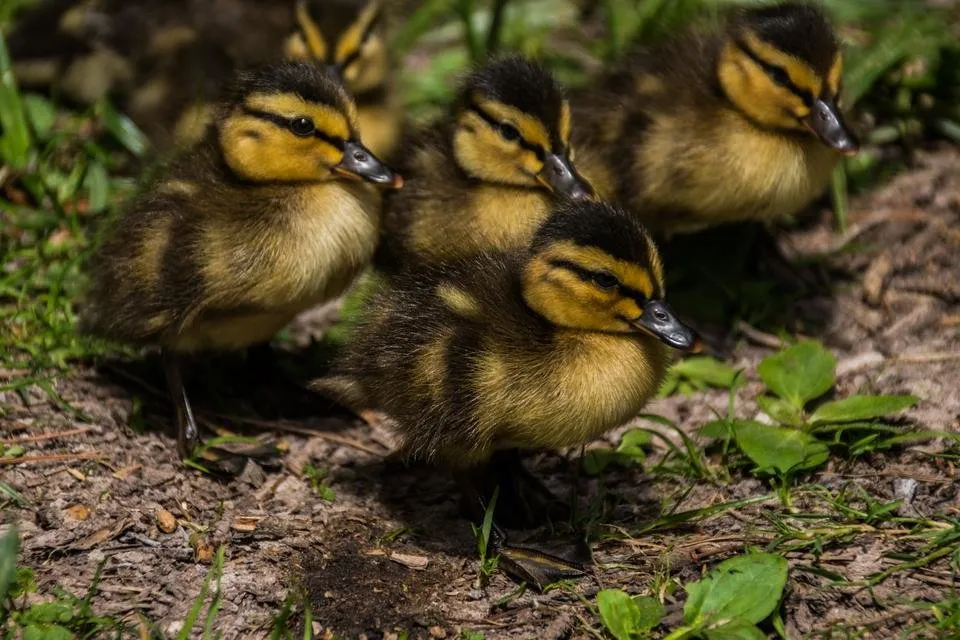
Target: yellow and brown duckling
point(710, 128)
point(542, 347)
point(484, 177)
point(168, 63)
point(272, 214)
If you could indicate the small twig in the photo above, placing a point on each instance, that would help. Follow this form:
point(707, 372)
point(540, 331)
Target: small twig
point(47, 436)
point(279, 425)
point(54, 457)
point(760, 337)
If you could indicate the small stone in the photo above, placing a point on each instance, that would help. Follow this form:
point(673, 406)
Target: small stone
point(905, 489)
point(437, 632)
point(166, 521)
point(202, 550)
point(409, 560)
point(474, 594)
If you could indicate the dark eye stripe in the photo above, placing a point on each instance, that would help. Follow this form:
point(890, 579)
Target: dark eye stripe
point(493, 122)
point(280, 121)
point(775, 71)
point(587, 276)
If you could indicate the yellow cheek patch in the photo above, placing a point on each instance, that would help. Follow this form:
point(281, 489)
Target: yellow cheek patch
point(531, 129)
point(288, 105)
point(296, 48)
point(352, 38)
point(835, 74)
point(800, 73)
point(314, 39)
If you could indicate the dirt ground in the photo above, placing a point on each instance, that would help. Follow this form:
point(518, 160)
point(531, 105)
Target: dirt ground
point(390, 552)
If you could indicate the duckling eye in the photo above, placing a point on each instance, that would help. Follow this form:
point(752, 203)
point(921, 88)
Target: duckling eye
point(605, 280)
point(509, 132)
point(302, 126)
point(779, 76)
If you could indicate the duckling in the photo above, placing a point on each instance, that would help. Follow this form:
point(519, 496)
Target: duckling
point(485, 175)
point(272, 214)
point(167, 63)
point(546, 346)
point(711, 128)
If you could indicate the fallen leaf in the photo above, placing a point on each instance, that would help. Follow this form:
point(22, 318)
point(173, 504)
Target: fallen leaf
point(78, 512)
point(166, 521)
point(246, 523)
point(122, 474)
point(76, 474)
point(408, 560)
point(101, 535)
point(202, 550)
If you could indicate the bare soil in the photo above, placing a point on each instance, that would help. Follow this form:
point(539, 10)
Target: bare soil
point(390, 552)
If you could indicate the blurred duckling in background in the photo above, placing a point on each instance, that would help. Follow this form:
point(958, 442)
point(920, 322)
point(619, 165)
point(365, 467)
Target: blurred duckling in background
point(168, 63)
point(484, 177)
point(546, 346)
point(272, 214)
point(708, 128)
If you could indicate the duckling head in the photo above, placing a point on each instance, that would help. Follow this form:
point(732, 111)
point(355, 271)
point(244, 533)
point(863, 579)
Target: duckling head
point(294, 122)
point(781, 66)
point(512, 126)
point(593, 267)
point(344, 35)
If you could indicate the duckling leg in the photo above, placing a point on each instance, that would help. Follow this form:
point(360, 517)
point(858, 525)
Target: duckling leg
point(188, 436)
point(216, 459)
point(523, 501)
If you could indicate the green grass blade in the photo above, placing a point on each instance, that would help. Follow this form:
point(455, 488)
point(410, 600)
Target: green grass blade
point(15, 143)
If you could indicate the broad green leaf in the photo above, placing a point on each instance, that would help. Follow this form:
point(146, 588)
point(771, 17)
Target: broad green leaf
point(46, 632)
point(799, 373)
point(718, 430)
point(857, 408)
point(778, 449)
point(98, 187)
point(122, 128)
point(633, 442)
point(41, 113)
point(9, 547)
point(780, 410)
point(735, 630)
point(49, 612)
point(747, 588)
point(707, 370)
point(626, 617)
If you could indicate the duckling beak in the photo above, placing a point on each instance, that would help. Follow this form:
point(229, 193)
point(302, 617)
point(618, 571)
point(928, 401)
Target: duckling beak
point(826, 121)
point(559, 176)
point(659, 321)
point(359, 163)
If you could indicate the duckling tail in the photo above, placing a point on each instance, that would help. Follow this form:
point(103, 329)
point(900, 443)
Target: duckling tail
point(342, 389)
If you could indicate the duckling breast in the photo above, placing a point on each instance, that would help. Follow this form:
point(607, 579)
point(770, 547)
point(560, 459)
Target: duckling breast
point(727, 170)
point(589, 384)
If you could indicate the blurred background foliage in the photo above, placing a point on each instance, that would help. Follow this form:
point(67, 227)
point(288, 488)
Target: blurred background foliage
point(62, 170)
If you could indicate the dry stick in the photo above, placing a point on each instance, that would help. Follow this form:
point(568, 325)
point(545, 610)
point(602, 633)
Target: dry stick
point(760, 337)
point(54, 457)
point(47, 436)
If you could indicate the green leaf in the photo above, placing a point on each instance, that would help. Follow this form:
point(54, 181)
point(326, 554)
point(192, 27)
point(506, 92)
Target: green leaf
point(735, 630)
point(717, 429)
point(14, 451)
point(122, 128)
point(799, 373)
point(46, 632)
point(633, 442)
point(98, 187)
point(49, 612)
point(746, 588)
point(780, 410)
point(41, 113)
point(706, 369)
point(778, 449)
point(15, 142)
point(857, 408)
point(625, 617)
point(9, 546)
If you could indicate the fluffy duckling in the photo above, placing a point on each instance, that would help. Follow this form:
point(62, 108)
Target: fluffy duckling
point(484, 176)
point(167, 63)
point(546, 346)
point(272, 214)
point(710, 128)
